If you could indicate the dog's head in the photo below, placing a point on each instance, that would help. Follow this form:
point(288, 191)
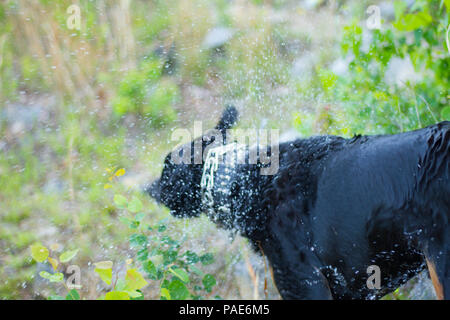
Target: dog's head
point(178, 188)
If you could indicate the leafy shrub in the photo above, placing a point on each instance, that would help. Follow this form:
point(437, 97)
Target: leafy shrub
point(162, 258)
point(370, 102)
point(159, 259)
point(146, 93)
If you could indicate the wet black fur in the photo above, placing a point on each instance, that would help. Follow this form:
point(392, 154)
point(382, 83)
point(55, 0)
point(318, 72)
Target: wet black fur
point(335, 207)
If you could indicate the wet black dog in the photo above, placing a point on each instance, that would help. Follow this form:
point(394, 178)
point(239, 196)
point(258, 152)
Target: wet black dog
point(335, 207)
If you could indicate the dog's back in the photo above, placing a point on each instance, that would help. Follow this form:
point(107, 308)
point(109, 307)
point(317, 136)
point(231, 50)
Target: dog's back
point(364, 201)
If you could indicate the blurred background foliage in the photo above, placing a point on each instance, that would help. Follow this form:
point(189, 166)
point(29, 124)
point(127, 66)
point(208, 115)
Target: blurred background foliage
point(78, 104)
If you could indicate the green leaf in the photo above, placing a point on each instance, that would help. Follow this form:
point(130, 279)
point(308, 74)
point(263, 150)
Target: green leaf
point(327, 78)
point(137, 295)
point(197, 271)
point(104, 264)
point(134, 224)
point(134, 294)
point(135, 205)
point(120, 285)
point(140, 216)
point(209, 281)
point(142, 254)
point(207, 258)
point(55, 297)
point(413, 21)
point(68, 255)
point(170, 256)
point(105, 275)
point(447, 4)
point(39, 252)
point(445, 113)
point(180, 273)
point(165, 293)
point(125, 220)
point(55, 277)
point(134, 280)
point(191, 257)
point(45, 274)
point(73, 295)
point(399, 8)
point(138, 240)
point(178, 290)
point(150, 268)
point(120, 201)
point(117, 295)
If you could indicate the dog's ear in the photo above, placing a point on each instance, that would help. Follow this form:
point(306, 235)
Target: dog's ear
point(228, 119)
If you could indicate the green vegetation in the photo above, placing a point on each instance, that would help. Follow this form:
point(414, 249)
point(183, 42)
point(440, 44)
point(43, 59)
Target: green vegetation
point(76, 106)
point(158, 255)
point(366, 100)
point(133, 95)
point(418, 36)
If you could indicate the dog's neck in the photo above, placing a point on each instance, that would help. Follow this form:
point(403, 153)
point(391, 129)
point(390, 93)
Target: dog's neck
point(216, 183)
point(230, 189)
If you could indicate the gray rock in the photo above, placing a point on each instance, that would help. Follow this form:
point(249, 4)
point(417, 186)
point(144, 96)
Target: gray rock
point(400, 71)
point(217, 37)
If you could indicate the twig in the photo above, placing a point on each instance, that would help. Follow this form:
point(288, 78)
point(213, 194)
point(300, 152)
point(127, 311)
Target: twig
point(401, 118)
point(447, 40)
point(253, 275)
point(266, 293)
point(428, 106)
point(415, 102)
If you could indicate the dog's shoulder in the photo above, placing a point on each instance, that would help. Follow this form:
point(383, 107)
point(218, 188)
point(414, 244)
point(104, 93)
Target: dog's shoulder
point(310, 149)
point(299, 162)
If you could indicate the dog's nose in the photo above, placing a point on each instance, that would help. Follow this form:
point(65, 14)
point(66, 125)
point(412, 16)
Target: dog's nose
point(154, 191)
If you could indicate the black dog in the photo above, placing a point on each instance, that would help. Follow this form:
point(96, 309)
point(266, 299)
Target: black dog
point(335, 207)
